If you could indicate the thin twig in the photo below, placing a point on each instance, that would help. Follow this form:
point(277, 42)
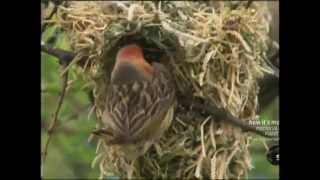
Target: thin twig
point(62, 129)
point(54, 11)
point(64, 59)
point(45, 24)
point(55, 115)
point(73, 116)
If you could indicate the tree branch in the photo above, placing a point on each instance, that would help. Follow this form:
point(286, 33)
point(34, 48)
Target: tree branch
point(269, 85)
point(65, 57)
point(197, 105)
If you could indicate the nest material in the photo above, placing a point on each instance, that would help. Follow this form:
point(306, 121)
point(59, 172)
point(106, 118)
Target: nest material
point(214, 52)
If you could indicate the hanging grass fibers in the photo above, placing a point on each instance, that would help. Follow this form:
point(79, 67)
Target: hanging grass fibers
point(215, 51)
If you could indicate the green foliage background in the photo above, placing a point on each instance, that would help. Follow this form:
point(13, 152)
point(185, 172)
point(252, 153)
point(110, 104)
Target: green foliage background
point(70, 154)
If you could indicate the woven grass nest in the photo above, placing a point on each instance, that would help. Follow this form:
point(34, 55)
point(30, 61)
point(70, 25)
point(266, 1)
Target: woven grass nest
point(215, 51)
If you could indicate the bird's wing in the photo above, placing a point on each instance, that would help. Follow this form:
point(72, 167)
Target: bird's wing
point(159, 98)
point(135, 110)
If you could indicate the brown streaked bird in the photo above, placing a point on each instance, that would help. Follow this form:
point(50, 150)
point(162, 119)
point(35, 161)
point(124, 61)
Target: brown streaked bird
point(140, 103)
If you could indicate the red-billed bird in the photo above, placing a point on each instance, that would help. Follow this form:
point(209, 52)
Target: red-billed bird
point(140, 103)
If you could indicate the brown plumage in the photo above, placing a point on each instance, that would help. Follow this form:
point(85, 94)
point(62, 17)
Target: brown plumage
point(140, 101)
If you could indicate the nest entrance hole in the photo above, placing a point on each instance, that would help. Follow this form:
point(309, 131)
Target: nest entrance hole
point(155, 44)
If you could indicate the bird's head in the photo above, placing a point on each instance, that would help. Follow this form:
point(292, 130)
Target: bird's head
point(130, 66)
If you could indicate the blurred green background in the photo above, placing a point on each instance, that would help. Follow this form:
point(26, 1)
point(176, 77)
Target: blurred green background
point(70, 154)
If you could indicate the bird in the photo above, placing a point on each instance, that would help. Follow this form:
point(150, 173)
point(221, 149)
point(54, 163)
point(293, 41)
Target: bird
point(140, 103)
